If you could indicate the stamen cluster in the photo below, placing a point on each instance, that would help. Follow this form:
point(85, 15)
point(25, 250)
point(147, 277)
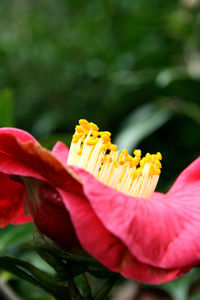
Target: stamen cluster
point(93, 151)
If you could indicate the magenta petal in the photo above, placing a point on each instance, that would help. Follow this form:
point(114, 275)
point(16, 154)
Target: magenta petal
point(61, 151)
point(20, 134)
point(107, 248)
point(162, 232)
point(31, 160)
point(11, 202)
point(89, 229)
point(12, 166)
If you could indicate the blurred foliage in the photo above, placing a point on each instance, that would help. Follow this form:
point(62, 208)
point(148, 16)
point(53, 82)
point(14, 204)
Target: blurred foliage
point(17, 241)
point(6, 108)
point(132, 67)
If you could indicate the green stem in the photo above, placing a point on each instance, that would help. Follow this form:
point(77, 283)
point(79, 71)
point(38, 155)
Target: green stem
point(35, 276)
point(85, 287)
point(40, 275)
point(73, 290)
point(53, 261)
point(20, 274)
point(106, 287)
point(65, 272)
point(78, 258)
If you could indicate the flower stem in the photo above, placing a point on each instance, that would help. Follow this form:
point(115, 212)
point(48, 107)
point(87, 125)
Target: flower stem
point(106, 287)
point(73, 290)
point(85, 287)
point(28, 272)
point(40, 275)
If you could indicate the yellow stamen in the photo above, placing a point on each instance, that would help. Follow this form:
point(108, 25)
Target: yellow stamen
point(92, 150)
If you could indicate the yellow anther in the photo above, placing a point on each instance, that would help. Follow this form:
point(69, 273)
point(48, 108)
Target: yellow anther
point(79, 152)
point(94, 133)
point(143, 161)
point(130, 161)
point(159, 155)
point(136, 160)
point(151, 170)
point(79, 129)
point(107, 133)
point(137, 152)
point(148, 156)
point(115, 164)
point(105, 147)
point(121, 162)
point(131, 164)
point(109, 159)
point(129, 158)
point(105, 137)
point(104, 159)
point(135, 174)
point(91, 141)
point(113, 147)
point(121, 177)
point(121, 157)
point(125, 152)
point(83, 122)
point(93, 126)
point(139, 171)
point(158, 164)
point(157, 171)
point(153, 157)
point(76, 137)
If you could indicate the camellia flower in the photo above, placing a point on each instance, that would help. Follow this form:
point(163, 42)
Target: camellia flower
point(105, 201)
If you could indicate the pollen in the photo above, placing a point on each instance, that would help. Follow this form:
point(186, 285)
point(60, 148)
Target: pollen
point(93, 151)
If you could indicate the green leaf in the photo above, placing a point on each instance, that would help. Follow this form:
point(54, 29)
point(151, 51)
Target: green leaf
point(12, 236)
point(6, 108)
point(195, 297)
point(141, 123)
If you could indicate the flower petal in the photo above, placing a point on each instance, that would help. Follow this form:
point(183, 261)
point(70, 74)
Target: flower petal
point(61, 151)
point(50, 215)
point(11, 202)
point(20, 134)
point(159, 232)
point(107, 248)
point(30, 160)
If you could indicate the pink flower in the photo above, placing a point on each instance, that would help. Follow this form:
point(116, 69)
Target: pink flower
point(151, 240)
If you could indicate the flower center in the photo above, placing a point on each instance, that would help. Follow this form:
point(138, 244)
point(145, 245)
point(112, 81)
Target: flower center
point(93, 151)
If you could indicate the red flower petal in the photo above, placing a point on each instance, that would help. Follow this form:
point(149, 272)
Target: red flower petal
point(12, 193)
point(161, 232)
point(61, 151)
point(107, 248)
point(20, 134)
point(29, 159)
point(11, 202)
